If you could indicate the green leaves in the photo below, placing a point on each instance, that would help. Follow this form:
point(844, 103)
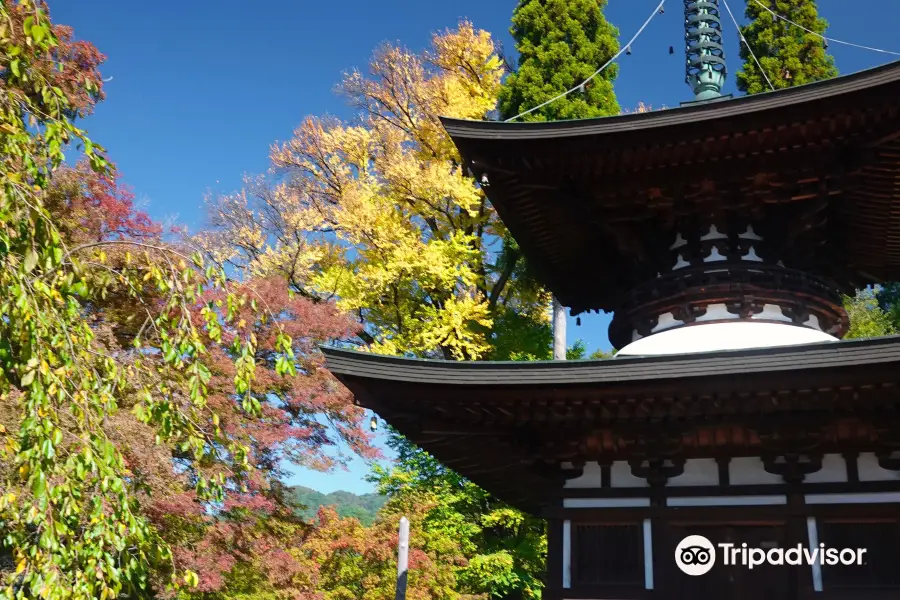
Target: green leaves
point(504, 549)
point(69, 505)
point(284, 363)
point(191, 578)
point(789, 56)
point(30, 262)
point(38, 484)
point(867, 318)
point(560, 44)
point(27, 378)
point(38, 32)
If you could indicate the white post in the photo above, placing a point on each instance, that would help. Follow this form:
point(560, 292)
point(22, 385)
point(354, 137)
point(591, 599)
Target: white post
point(559, 330)
point(567, 555)
point(402, 559)
point(648, 555)
point(813, 532)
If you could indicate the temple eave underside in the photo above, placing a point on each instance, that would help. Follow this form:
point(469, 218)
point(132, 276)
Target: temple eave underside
point(510, 427)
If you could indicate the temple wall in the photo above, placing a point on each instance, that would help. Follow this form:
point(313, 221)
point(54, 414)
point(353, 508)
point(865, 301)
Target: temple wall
point(750, 471)
point(741, 471)
point(697, 471)
point(834, 470)
point(870, 470)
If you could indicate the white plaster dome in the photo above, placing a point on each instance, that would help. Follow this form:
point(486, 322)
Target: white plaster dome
point(711, 337)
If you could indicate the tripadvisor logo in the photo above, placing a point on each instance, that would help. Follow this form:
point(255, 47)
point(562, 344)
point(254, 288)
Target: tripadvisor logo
point(696, 555)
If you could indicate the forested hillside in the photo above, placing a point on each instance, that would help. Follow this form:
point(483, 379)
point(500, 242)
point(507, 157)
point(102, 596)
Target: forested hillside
point(347, 504)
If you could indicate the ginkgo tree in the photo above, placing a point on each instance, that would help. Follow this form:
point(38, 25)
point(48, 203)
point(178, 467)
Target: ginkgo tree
point(379, 213)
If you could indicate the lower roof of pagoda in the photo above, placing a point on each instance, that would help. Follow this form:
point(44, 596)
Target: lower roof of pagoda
point(509, 426)
point(594, 204)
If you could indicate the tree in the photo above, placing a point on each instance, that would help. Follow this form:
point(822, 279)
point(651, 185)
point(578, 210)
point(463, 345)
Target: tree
point(560, 44)
point(867, 318)
point(789, 55)
point(308, 501)
point(888, 296)
point(90, 206)
point(146, 401)
point(504, 550)
point(380, 215)
point(578, 351)
point(356, 562)
point(251, 532)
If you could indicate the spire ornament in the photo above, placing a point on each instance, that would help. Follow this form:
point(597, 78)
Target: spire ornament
point(705, 68)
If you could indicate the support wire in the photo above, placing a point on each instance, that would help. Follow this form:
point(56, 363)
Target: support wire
point(777, 16)
point(624, 48)
point(746, 43)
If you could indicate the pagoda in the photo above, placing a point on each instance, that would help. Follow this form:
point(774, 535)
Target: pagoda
point(722, 235)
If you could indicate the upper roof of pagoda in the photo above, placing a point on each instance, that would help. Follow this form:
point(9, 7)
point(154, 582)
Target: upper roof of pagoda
point(594, 204)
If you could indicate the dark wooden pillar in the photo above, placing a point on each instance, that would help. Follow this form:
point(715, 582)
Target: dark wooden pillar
point(800, 577)
point(662, 557)
point(554, 558)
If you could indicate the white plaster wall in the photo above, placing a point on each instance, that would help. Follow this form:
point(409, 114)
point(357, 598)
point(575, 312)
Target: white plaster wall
point(750, 471)
point(726, 501)
point(716, 312)
point(621, 476)
point(591, 477)
point(666, 321)
point(834, 470)
point(869, 470)
point(712, 337)
point(873, 498)
point(742, 471)
point(605, 502)
point(697, 471)
point(772, 312)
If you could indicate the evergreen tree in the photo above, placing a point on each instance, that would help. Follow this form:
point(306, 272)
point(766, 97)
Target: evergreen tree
point(789, 55)
point(888, 296)
point(560, 43)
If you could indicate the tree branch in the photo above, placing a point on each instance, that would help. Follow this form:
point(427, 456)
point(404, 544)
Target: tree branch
point(507, 272)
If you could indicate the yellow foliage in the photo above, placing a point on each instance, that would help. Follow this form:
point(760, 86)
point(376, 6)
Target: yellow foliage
point(378, 214)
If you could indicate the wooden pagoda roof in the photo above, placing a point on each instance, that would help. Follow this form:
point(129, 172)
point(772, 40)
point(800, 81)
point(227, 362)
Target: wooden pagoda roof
point(509, 425)
point(591, 202)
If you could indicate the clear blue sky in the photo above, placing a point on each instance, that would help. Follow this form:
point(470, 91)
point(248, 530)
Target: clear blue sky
point(201, 89)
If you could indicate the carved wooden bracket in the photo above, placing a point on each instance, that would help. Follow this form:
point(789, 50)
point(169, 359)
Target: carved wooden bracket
point(885, 461)
point(888, 431)
point(722, 462)
point(556, 472)
point(575, 472)
point(794, 467)
point(657, 471)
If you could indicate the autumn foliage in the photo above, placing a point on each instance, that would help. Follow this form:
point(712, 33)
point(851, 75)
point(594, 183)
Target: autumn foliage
point(93, 207)
point(379, 215)
point(70, 65)
point(148, 404)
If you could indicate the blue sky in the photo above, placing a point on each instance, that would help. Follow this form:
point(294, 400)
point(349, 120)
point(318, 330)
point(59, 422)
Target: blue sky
point(201, 89)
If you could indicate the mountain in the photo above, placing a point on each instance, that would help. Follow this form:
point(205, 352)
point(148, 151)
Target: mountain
point(347, 504)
